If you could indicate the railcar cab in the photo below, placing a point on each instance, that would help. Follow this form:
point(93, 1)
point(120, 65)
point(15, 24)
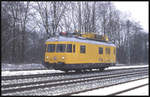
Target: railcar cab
point(57, 50)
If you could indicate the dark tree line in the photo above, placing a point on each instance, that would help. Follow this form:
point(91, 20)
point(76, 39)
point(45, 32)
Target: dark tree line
point(26, 25)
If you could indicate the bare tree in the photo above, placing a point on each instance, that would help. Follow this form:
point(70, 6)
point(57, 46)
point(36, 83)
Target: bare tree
point(24, 20)
point(26, 25)
point(51, 14)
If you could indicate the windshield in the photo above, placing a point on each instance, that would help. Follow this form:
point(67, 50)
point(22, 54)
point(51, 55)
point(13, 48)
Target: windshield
point(51, 48)
point(60, 48)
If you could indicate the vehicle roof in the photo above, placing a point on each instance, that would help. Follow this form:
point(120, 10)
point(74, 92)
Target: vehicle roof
point(79, 39)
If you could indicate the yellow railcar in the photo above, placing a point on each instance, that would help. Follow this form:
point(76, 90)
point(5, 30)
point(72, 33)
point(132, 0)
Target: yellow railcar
point(71, 53)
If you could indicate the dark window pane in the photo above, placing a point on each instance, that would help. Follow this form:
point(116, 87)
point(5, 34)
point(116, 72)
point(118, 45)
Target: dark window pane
point(82, 49)
point(69, 47)
point(100, 50)
point(51, 48)
point(60, 48)
point(107, 50)
point(73, 48)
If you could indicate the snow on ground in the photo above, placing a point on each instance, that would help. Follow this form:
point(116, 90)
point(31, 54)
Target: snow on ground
point(25, 69)
point(12, 67)
point(116, 88)
point(12, 73)
point(143, 91)
point(123, 66)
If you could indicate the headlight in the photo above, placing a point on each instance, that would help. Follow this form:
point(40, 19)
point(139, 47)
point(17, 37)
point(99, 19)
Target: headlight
point(63, 57)
point(47, 57)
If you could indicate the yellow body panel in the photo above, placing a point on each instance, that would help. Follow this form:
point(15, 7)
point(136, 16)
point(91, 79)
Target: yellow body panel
point(89, 35)
point(90, 56)
point(94, 36)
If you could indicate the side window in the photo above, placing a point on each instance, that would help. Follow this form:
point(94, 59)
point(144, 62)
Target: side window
point(100, 50)
point(107, 50)
point(51, 48)
point(69, 47)
point(82, 49)
point(74, 48)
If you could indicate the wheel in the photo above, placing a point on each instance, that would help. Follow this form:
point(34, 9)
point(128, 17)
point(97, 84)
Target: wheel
point(66, 71)
point(101, 69)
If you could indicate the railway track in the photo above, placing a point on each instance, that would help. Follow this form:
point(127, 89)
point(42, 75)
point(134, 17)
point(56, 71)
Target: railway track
point(17, 77)
point(126, 90)
point(16, 80)
point(67, 84)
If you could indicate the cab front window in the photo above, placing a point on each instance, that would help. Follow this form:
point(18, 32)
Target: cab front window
point(60, 47)
point(51, 48)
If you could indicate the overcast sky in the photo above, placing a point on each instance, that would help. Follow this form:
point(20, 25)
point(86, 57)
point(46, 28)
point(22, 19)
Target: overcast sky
point(137, 11)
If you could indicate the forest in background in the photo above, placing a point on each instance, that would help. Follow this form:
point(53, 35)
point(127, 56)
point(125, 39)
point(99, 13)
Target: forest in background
point(25, 26)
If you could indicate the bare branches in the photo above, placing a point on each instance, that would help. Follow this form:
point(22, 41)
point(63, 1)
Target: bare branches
point(22, 21)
